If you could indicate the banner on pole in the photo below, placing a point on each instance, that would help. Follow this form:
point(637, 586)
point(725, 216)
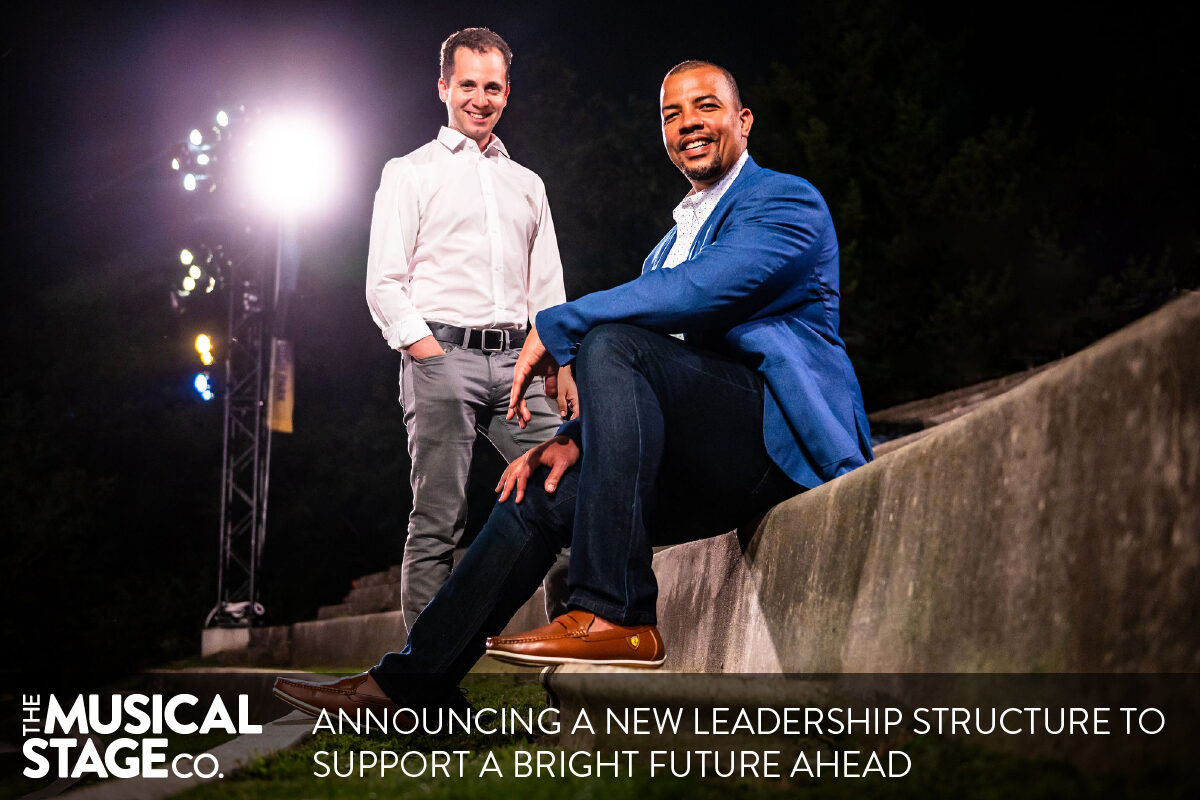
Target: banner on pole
point(282, 394)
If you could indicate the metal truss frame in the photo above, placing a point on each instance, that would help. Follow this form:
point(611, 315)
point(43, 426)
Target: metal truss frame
point(246, 449)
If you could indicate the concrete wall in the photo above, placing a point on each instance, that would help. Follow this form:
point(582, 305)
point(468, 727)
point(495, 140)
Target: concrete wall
point(1054, 528)
point(348, 643)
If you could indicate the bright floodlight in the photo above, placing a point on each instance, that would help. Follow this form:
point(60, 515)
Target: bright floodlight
point(175, 164)
point(293, 166)
point(189, 182)
point(196, 137)
point(189, 283)
point(222, 118)
point(212, 284)
point(203, 344)
point(202, 159)
point(194, 272)
point(185, 257)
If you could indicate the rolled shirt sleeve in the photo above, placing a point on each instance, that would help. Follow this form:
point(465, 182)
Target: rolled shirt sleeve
point(395, 223)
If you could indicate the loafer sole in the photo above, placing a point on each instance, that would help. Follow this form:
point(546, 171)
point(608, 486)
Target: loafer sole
point(312, 711)
point(542, 661)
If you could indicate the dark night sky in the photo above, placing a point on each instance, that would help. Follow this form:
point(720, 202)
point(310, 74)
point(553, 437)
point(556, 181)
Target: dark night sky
point(93, 96)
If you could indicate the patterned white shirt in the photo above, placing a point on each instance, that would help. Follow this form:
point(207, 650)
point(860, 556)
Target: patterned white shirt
point(460, 237)
point(692, 212)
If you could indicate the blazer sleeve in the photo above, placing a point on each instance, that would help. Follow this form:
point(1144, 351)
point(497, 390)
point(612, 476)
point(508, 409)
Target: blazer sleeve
point(764, 246)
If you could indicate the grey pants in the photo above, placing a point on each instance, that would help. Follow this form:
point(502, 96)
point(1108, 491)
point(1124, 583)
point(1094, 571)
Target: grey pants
point(448, 400)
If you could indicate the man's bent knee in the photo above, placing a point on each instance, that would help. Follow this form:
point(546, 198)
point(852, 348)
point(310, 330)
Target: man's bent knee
point(613, 342)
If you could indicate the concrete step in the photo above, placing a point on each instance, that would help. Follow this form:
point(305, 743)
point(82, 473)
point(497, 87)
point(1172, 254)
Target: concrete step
point(933, 411)
point(372, 599)
point(373, 594)
point(390, 575)
point(1055, 528)
point(351, 642)
point(335, 612)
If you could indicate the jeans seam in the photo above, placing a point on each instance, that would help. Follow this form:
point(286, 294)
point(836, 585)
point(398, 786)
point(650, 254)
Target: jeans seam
point(482, 610)
point(761, 481)
point(711, 376)
point(633, 507)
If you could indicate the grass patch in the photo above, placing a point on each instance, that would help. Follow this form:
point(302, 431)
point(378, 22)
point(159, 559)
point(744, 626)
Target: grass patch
point(941, 769)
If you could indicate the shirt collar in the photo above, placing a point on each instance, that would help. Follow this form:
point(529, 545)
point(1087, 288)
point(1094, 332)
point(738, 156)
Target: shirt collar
point(713, 194)
point(456, 140)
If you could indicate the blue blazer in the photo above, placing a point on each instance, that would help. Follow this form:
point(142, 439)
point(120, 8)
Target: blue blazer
point(761, 283)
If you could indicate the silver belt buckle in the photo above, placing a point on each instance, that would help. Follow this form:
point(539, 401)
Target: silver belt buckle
point(500, 338)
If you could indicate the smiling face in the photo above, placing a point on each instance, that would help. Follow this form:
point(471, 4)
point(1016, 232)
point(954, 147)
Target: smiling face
point(705, 128)
point(476, 93)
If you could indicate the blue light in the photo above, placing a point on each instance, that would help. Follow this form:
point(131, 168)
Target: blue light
point(203, 386)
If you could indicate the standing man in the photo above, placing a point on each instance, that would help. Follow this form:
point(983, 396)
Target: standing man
point(678, 440)
point(462, 255)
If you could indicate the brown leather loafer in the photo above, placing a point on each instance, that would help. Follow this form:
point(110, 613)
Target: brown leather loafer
point(347, 694)
point(580, 637)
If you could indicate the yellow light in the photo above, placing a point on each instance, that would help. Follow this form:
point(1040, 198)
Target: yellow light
point(186, 257)
point(206, 359)
point(203, 344)
point(212, 284)
point(189, 283)
point(194, 272)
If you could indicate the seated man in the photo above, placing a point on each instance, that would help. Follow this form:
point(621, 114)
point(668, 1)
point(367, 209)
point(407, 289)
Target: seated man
point(676, 440)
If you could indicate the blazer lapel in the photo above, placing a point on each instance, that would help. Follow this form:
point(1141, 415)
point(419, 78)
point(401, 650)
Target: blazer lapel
point(745, 179)
point(659, 254)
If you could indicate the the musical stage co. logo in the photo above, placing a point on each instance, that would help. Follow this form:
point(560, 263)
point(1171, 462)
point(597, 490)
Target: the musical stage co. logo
point(123, 735)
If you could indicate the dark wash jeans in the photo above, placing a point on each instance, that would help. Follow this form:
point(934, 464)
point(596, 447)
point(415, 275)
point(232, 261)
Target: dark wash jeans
point(672, 452)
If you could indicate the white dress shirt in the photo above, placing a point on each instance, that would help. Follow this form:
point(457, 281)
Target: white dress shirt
point(462, 238)
point(693, 210)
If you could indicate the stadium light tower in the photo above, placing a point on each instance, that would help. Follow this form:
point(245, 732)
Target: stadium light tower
point(252, 165)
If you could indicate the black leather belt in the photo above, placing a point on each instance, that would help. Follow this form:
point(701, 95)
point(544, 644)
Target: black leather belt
point(489, 340)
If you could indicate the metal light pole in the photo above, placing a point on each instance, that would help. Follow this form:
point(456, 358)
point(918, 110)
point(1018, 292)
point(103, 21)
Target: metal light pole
point(246, 448)
point(288, 165)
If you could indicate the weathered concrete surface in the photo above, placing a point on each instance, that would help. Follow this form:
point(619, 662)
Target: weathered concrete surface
point(348, 642)
point(361, 640)
point(356, 632)
point(365, 600)
point(933, 411)
point(1054, 528)
point(218, 640)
